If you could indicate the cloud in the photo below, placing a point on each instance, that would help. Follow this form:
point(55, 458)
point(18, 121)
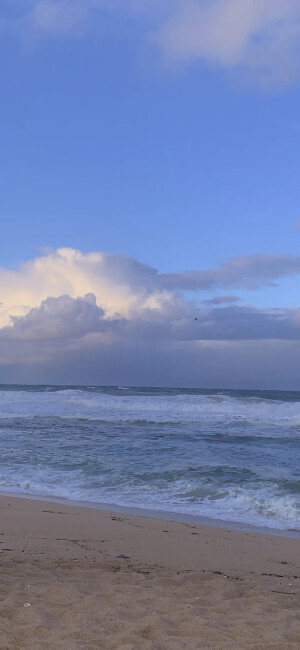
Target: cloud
point(247, 271)
point(221, 300)
point(261, 37)
point(55, 328)
point(230, 364)
point(61, 16)
point(120, 284)
point(126, 287)
point(107, 311)
point(242, 323)
point(62, 318)
point(73, 18)
point(76, 318)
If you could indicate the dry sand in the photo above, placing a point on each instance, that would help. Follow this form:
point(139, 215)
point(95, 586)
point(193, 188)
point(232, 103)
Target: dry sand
point(65, 583)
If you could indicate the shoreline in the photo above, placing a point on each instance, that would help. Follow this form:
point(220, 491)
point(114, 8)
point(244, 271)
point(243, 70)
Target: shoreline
point(164, 515)
point(145, 539)
point(76, 577)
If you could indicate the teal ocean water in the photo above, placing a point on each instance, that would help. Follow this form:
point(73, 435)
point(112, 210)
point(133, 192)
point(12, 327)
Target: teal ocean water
point(231, 455)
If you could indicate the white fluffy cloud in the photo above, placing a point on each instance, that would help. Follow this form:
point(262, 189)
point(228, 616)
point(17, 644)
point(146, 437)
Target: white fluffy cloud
point(70, 316)
point(120, 284)
point(43, 298)
point(126, 288)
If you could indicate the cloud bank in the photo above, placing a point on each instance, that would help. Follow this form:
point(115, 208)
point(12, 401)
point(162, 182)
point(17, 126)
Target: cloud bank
point(260, 38)
point(106, 318)
point(124, 286)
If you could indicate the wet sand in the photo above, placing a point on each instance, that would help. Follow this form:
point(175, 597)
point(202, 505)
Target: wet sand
point(74, 577)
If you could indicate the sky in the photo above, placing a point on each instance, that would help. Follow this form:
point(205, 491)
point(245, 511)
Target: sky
point(149, 192)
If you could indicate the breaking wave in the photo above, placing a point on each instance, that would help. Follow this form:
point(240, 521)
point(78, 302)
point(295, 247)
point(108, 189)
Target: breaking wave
point(231, 455)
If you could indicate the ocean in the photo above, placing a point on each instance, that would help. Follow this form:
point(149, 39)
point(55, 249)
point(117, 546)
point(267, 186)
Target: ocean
point(226, 454)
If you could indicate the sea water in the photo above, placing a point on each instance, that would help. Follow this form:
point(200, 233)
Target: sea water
point(226, 454)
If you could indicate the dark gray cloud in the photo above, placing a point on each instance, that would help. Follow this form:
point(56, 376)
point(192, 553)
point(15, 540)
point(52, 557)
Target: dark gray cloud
point(232, 323)
point(69, 340)
point(239, 323)
point(252, 365)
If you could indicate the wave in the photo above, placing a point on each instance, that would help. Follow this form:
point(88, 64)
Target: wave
point(162, 408)
point(261, 508)
point(224, 454)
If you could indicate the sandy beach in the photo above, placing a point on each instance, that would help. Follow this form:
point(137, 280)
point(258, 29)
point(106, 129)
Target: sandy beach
point(74, 577)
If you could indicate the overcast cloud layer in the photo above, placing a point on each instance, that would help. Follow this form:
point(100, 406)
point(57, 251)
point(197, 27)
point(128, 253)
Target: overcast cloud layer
point(97, 317)
point(258, 37)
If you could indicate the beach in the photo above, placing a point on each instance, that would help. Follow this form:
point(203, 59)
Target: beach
point(150, 325)
point(76, 577)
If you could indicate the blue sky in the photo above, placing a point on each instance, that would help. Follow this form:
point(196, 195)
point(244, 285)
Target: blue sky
point(104, 145)
point(180, 156)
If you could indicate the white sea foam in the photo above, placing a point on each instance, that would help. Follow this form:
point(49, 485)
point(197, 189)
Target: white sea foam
point(76, 403)
point(261, 508)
